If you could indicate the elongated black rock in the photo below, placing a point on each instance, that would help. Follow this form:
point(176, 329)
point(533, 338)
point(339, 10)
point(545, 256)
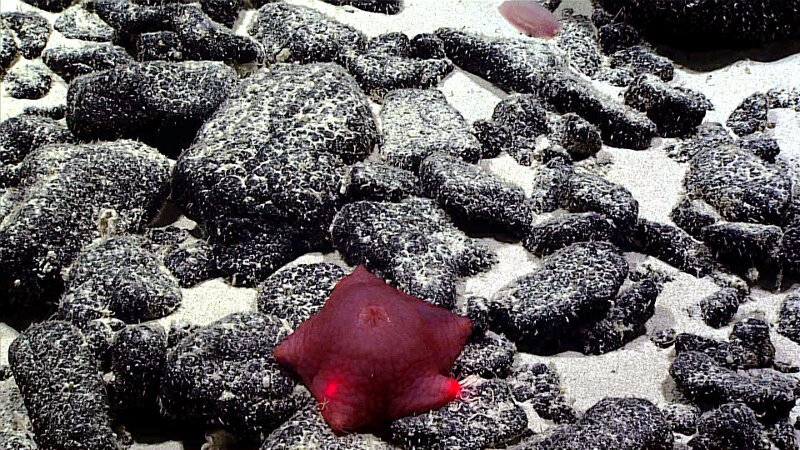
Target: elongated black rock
point(750, 116)
point(50, 5)
point(747, 245)
point(671, 245)
point(80, 23)
point(490, 419)
point(14, 421)
point(224, 375)
point(710, 24)
point(589, 192)
point(118, 277)
point(417, 122)
point(682, 418)
point(295, 294)
point(641, 60)
point(22, 134)
point(675, 112)
point(62, 388)
point(578, 39)
point(574, 287)
point(764, 390)
point(619, 423)
point(70, 62)
point(60, 208)
point(531, 66)
point(741, 186)
point(161, 103)
point(487, 356)
point(545, 237)
point(472, 196)
point(378, 6)
point(8, 49)
point(411, 243)
point(293, 33)
point(278, 165)
point(32, 30)
point(192, 263)
point(749, 346)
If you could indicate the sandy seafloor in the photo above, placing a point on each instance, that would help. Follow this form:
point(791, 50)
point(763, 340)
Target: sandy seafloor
point(640, 368)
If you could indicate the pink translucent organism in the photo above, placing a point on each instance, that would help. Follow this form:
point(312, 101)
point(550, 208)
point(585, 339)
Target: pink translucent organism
point(531, 18)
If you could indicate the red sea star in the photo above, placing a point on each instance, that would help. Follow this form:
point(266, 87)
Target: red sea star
point(374, 354)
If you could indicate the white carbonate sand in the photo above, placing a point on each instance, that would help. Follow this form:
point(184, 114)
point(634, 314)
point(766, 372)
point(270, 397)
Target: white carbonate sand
point(640, 368)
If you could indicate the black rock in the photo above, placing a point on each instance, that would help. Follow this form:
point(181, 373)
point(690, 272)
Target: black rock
point(247, 252)
point(741, 186)
point(489, 419)
point(790, 248)
point(579, 137)
point(63, 391)
point(99, 335)
point(574, 287)
point(427, 46)
point(160, 46)
point(160, 103)
point(750, 116)
point(387, 65)
point(224, 375)
point(589, 192)
point(471, 196)
point(640, 60)
point(746, 245)
point(531, 66)
point(782, 434)
point(540, 386)
point(578, 39)
point(602, 17)
point(545, 237)
point(675, 112)
point(80, 23)
point(766, 148)
point(23, 134)
point(732, 426)
point(296, 293)
point(178, 331)
point(614, 37)
point(32, 30)
point(164, 240)
point(477, 310)
point(416, 123)
point(223, 11)
point(664, 338)
point(380, 182)
point(293, 33)
point(618, 76)
point(694, 215)
point(55, 112)
point(17, 433)
point(138, 356)
point(377, 6)
point(550, 185)
point(411, 243)
point(488, 356)
point(719, 308)
point(29, 81)
point(61, 208)
point(766, 391)
point(618, 423)
point(622, 323)
point(523, 114)
point(671, 245)
point(192, 263)
point(71, 62)
point(749, 346)
point(200, 37)
point(292, 170)
point(789, 320)
point(707, 135)
point(8, 48)
point(721, 23)
point(50, 5)
point(307, 427)
point(682, 418)
point(120, 278)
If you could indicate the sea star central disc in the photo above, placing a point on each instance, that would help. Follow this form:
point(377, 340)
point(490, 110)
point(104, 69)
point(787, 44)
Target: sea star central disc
point(374, 354)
